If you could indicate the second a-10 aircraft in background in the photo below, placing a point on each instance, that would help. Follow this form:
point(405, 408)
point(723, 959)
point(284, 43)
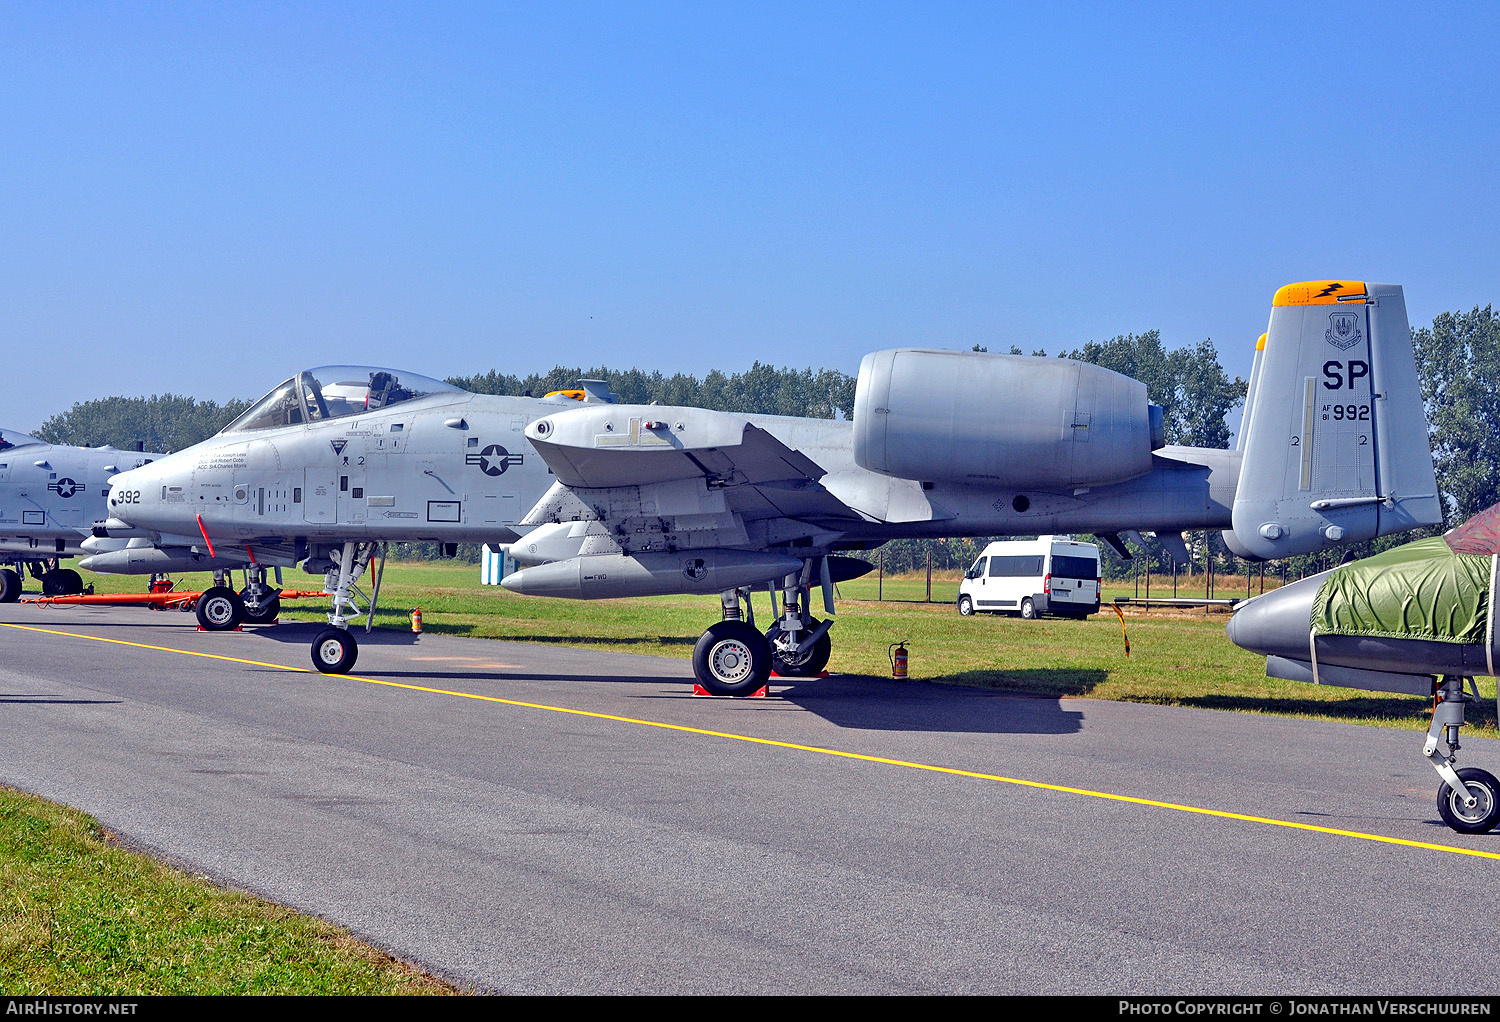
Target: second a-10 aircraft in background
point(50, 497)
point(637, 500)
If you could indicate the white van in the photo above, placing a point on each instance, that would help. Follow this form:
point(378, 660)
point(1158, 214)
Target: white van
point(1032, 577)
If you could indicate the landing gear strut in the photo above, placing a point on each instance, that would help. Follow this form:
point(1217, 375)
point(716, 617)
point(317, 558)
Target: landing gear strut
point(733, 658)
point(262, 602)
point(55, 581)
point(334, 650)
point(1469, 799)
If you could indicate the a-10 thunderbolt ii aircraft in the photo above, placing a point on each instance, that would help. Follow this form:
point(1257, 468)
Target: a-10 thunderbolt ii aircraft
point(1418, 619)
point(640, 500)
point(50, 497)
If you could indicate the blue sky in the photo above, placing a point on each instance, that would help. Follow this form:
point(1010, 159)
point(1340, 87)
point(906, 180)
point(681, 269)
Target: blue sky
point(202, 198)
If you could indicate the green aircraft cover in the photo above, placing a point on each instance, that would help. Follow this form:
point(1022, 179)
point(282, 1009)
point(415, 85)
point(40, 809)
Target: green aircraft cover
point(1421, 590)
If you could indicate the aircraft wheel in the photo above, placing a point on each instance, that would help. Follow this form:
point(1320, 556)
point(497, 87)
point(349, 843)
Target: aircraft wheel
point(220, 609)
point(1485, 814)
point(789, 664)
point(267, 611)
point(10, 586)
point(966, 606)
point(732, 659)
point(70, 581)
point(53, 584)
point(1028, 609)
point(334, 651)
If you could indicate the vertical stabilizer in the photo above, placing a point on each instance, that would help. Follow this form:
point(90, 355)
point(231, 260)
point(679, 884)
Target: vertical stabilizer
point(1335, 440)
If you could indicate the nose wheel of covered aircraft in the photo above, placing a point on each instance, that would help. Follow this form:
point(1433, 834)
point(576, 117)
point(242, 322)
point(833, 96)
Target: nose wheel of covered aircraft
point(10, 586)
point(732, 659)
point(1478, 818)
point(1469, 798)
point(220, 609)
point(334, 651)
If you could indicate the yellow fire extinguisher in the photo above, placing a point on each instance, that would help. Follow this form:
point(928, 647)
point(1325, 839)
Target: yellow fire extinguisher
point(897, 654)
point(416, 621)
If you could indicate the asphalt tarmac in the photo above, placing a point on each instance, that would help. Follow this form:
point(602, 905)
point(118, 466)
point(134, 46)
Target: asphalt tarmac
point(534, 819)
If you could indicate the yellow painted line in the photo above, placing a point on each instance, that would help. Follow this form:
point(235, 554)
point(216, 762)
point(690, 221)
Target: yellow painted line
point(840, 753)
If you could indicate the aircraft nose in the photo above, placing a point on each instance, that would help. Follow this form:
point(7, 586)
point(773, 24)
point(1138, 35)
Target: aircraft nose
point(1277, 624)
point(130, 493)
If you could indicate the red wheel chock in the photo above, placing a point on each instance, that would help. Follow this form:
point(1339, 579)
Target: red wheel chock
point(699, 690)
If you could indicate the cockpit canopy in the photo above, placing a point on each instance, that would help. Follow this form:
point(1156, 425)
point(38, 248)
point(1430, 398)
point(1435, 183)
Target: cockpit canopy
point(333, 392)
point(15, 438)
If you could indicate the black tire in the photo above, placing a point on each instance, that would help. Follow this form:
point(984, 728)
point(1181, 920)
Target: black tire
point(70, 581)
point(334, 651)
point(1483, 817)
point(965, 606)
point(53, 583)
point(220, 609)
point(10, 586)
point(1028, 609)
point(268, 611)
point(732, 659)
point(809, 664)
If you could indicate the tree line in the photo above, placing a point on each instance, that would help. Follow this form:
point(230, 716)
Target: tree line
point(1458, 361)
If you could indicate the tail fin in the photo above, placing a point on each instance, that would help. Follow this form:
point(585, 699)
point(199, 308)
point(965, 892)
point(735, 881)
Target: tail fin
point(1335, 440)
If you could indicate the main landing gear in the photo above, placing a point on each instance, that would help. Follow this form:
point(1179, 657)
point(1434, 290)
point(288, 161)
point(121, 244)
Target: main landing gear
point(221, 609)
point(55, 581)
point(733, 658)
point(334, 650)
point(1469, 799)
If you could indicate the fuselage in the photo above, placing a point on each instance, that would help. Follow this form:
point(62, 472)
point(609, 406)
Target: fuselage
point(456, 467)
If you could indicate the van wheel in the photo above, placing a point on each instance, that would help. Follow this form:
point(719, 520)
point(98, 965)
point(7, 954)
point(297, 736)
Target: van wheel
point(966, 606)
point(1028, 609)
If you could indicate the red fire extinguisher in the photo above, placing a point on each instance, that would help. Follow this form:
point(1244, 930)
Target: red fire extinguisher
point(897, 654)
point(416, 621)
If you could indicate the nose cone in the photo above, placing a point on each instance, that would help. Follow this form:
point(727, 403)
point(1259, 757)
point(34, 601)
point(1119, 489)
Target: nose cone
point(1278, 623)
point(133, 495)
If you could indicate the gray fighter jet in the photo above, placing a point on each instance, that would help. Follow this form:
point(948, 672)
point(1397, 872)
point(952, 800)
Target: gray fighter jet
point(1418, 619)
point(621, 501)
point(50, 497)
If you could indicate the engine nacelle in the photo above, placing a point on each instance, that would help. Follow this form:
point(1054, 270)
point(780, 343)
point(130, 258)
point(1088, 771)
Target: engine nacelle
point(1007, 420)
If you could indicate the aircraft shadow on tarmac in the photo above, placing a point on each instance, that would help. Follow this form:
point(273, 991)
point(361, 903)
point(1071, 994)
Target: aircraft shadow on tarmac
point(869, 703)
point(1415, 710)
point(26, 698)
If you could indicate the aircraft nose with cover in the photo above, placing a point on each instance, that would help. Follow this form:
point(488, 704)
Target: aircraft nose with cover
point(1417, 619)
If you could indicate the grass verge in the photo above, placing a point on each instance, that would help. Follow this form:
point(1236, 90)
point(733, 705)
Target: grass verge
point(81, 915)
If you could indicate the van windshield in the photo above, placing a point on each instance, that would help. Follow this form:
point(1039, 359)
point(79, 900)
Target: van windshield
point(1074, 567)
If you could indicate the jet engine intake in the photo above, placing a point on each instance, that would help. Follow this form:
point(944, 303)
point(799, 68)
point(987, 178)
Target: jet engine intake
point(1002, 420)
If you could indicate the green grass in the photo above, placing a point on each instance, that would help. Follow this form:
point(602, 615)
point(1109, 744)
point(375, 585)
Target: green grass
point(80, 915)
point(1178, 657)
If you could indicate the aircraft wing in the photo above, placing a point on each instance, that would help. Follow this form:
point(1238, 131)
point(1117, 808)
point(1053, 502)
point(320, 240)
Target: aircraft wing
point(650, 474)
